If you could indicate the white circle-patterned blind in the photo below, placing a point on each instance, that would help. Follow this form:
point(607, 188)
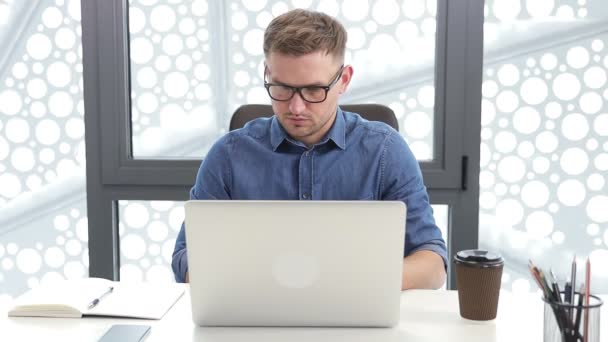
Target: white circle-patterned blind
point(41, 145)
point(497, 13)
point(172, 93)
point(147, 238)
point(41, 111)
point(177, 71)
point(32, 255)
point(544, 158)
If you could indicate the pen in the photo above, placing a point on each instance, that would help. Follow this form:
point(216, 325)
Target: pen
point(555, 287)
point(95, 301)
point(573, 278)
point(587, 289)
point(573, 282)
point(560, 314)
point(567, 296)
point(536, 275)
point(579, 309)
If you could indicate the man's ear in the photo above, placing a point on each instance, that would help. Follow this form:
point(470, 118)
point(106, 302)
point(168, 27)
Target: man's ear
point(347, 75)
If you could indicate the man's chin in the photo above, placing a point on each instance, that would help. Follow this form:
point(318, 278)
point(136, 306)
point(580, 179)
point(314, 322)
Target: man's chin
point(298, 132)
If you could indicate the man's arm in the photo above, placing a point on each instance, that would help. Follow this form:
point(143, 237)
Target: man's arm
point(212, 182)
point(425, 255)
point(423, 270)
point(179, 261)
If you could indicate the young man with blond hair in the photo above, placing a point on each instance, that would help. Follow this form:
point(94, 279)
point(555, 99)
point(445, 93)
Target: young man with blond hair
point(312, 150)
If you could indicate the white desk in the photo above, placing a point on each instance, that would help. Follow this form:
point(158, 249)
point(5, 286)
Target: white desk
point(425, 316)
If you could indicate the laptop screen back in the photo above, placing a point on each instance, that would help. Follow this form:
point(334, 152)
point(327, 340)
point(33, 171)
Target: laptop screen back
point(295, 263)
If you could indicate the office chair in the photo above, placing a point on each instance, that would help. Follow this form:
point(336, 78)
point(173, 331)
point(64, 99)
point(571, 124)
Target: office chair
point(371, 112)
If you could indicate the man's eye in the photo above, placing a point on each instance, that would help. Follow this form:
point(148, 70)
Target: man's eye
point(314, 90)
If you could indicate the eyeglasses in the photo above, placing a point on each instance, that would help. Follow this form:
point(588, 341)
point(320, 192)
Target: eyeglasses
point(312, 94)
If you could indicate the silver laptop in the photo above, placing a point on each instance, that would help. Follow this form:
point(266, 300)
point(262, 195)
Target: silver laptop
point(295, 263)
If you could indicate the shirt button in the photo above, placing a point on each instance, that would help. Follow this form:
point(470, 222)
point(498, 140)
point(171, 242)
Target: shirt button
point(306, 154)
point(305, 196)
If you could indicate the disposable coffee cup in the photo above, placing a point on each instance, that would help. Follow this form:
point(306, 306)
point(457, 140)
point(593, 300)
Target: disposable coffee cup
point(478, 276)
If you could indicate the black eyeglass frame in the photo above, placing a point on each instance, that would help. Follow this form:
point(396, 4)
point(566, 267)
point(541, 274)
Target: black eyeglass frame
point(327, 88)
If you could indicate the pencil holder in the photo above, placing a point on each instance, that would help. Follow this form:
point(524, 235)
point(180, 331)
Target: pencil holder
point(572, 322)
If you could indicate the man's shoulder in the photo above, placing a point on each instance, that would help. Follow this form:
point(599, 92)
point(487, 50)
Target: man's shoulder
point(355, 123)
point(258, 129)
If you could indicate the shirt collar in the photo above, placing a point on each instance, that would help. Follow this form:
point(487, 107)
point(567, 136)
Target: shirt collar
point(337, 132)
point(277, 133)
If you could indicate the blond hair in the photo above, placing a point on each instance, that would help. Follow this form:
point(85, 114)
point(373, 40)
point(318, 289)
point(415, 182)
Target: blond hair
point(300, 32)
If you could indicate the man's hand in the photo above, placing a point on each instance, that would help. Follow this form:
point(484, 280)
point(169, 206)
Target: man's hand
point(423, 270)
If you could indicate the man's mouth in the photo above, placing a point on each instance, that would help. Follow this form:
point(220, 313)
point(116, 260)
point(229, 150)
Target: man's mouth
point(297, 118)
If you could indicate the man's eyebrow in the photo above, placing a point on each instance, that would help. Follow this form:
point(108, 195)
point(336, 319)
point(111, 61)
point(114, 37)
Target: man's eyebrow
point(273, 81)
point(316, 84)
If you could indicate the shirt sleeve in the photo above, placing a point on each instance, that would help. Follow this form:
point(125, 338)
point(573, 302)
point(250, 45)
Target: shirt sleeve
point(401, 180)
point(213, 182)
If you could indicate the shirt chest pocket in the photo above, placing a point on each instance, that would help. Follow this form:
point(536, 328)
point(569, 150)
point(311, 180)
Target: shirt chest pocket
point(345, 189)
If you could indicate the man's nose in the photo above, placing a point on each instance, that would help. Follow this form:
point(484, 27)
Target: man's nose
point(297, 104)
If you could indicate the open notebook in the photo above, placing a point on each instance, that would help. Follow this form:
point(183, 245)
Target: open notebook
point(73, 298)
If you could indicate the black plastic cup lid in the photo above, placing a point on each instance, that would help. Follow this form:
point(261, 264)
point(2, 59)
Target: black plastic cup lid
point(478, 257)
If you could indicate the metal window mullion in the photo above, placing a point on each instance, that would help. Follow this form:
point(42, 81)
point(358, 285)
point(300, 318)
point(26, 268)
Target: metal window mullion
point(100, 40)
point(464, 70)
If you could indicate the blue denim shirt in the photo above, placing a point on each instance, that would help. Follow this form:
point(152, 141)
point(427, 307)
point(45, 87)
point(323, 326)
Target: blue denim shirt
point(357, 160)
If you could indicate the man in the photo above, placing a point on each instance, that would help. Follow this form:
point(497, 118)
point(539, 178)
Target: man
point(312, 150)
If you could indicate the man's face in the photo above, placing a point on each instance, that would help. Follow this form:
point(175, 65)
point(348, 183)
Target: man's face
point(304, 121)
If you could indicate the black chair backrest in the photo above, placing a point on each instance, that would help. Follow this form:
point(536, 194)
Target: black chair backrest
point(371, 112)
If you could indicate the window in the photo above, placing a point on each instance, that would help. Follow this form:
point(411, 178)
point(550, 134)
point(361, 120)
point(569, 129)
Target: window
point(544, 155)
point(43, 216)
point(191, 70)
point(137, 58)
